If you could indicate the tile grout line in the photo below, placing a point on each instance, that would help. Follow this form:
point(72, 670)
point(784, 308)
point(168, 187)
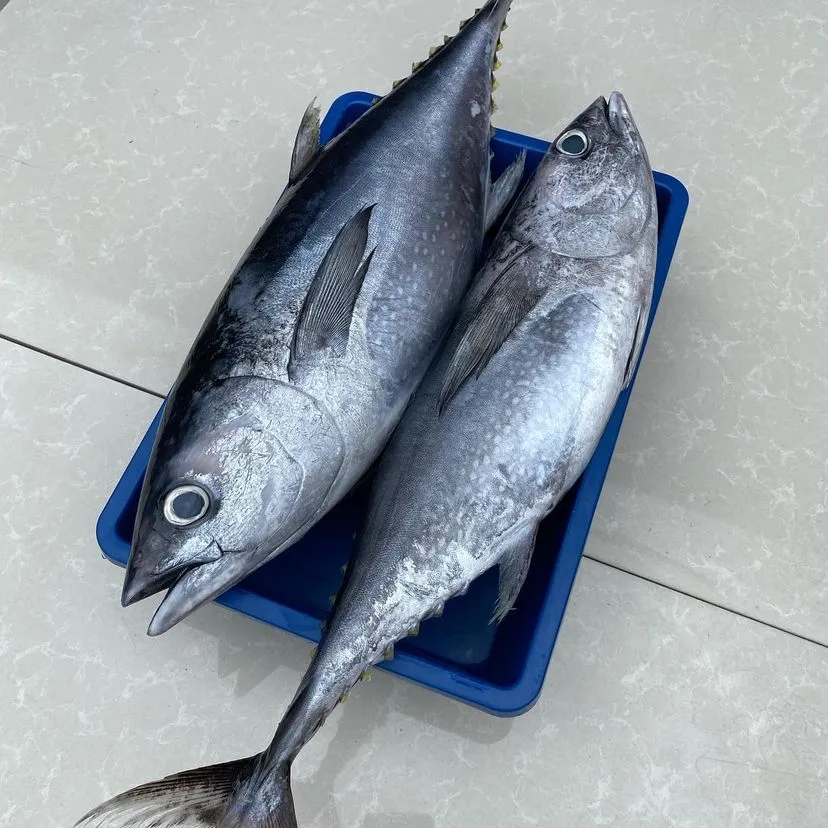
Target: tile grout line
point(79, 365)
point(653, 581)
point(708, 602)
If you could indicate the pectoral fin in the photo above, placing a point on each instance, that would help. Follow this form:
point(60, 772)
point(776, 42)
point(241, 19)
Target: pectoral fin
point(503, 189)
point(506, 302)
point(514, 565)
point(307, 143)
point(325, 320)
point(638, 340)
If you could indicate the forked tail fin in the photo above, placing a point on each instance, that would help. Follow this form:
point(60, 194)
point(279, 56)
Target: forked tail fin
point(198, 799)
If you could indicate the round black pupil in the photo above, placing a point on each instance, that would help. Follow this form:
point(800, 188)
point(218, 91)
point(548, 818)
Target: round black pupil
point(573, 144)
point(188, 505)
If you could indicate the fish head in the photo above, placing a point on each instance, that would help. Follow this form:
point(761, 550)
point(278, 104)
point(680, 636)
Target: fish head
point(598, 177)
point(234, 475)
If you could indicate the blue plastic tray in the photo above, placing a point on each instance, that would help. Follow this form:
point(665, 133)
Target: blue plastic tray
point(498, 669)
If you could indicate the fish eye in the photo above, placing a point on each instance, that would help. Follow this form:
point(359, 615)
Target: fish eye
point(184, 505)
point(573, 143)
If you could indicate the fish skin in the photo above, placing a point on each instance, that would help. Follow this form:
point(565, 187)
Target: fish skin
point(278, 444)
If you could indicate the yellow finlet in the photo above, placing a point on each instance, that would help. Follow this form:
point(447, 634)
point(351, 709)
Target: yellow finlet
point(397, 83)
point(314, 651)
point(415, 630)
point(332, 599)
point(497, 64)
point(344, 696)
point(344, 568)
point(495, 84)
point(447, 39)
point(415, 66)
point(366, 676)
point(389, 653)
point(499, 47)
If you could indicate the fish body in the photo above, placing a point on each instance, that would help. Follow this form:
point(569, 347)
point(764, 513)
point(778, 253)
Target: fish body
point(313, 350)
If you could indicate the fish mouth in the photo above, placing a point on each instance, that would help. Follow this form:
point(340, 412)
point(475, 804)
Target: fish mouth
point(141, 582)
point(195, 586)
point(618, 113)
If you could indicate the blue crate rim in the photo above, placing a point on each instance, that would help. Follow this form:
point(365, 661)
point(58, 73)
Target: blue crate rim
point(500, 700)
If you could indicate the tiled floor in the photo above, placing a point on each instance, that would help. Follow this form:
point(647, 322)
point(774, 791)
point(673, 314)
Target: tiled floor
point(141, 146)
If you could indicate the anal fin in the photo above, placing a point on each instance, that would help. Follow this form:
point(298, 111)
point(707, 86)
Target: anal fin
point(325, 320)
point(504, 189)
point(307, 143)
point(516, 556)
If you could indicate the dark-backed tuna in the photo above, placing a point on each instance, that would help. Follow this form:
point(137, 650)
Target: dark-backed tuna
point(312, 352)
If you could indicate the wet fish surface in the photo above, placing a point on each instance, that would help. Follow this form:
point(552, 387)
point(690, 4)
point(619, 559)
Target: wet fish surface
point(312, 352)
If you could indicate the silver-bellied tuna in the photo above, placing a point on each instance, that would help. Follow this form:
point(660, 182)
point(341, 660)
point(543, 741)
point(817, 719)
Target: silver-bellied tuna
point(312, 352)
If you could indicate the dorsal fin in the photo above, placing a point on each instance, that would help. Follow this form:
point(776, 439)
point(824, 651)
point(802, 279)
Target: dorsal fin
point(503, 306)
point(307, 142)
point(325, 320)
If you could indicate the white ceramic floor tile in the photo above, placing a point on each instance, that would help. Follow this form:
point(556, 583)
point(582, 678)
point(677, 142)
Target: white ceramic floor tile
point(659, 710)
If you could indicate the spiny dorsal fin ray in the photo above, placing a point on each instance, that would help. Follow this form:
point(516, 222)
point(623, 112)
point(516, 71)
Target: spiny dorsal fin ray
point(503, 189)
point(447, 39)
point(505, 303)
point(192, 799)
point(325, 320)
point(514, 566)
point(307, 143)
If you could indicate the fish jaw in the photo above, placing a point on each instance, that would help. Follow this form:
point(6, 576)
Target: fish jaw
point(196, 586)
point(140, 584)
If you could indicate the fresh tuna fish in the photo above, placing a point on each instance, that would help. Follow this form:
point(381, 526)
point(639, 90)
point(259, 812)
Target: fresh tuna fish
point(313, 350)
point(503, 425)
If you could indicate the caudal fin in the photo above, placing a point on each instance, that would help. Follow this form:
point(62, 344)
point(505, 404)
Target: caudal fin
point(199, 798)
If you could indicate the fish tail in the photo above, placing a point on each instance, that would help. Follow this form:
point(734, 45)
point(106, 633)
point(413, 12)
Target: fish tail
point(264, 800)
point(238, 794)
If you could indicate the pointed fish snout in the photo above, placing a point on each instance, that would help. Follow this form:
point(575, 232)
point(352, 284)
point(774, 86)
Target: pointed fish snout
point(139, 584)
point(617, 107)
point(142, 579)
